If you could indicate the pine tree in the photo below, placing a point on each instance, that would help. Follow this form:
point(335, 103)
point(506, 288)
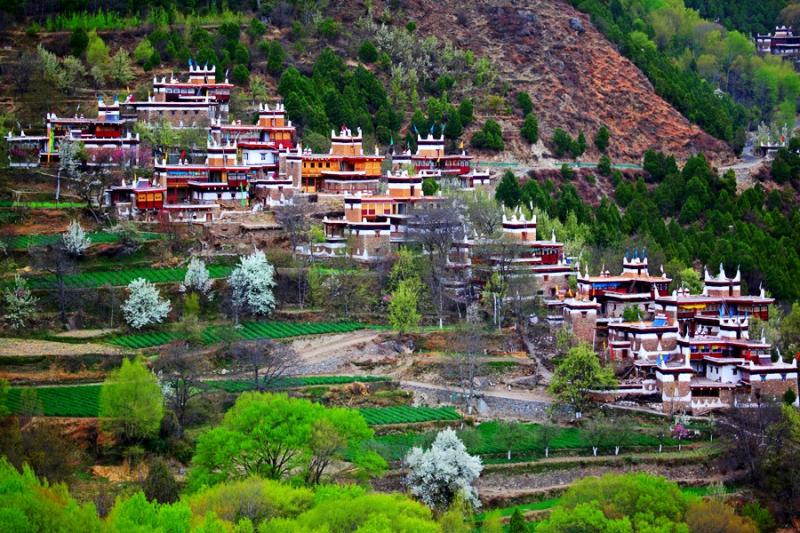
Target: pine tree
point(508, 191)
point(517, 524)
point(601, 138)
point(530, 128)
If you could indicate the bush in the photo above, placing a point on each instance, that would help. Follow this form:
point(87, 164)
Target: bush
point(276, 56)
point(466, 112)
point(525, 103)
point(143, 52)
point(256, 28)
point(160, 484)
point(430, 187)
point(567, 174)
point(490, 137)
point(368, 53)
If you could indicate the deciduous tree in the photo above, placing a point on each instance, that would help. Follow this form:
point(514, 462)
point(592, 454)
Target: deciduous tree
point(578, 372)
point(131, 404)
point(144, 306)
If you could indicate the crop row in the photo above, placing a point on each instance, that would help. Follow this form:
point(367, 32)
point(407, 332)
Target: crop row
point(43, 205)
point(248, 331)
point(84, 400)
point(408, 415)
point(73, 401)
point(119, 278)
point(22, 242)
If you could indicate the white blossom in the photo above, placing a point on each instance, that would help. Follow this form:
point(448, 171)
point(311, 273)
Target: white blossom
point(20, 304)
point(252, 283)
point(197, 277)
point(75, 239)
point(144, 306)
point(437, 475)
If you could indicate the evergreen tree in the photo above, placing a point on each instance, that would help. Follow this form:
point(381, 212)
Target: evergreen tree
point(579, 147)
point(517, 524)
point(562, 143)
point(601, 138)
point(525, 103)
point(530, 128)
point(508, 191)
point(604, 165)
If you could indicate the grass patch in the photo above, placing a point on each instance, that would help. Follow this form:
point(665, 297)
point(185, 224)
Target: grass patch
point(405, 414)
point(121, 278)
point(72, 401)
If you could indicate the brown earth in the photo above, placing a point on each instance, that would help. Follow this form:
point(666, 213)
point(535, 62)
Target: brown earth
point(578, 81)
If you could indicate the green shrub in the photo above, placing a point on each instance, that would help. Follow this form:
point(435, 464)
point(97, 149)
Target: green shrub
point(240, 75)
point(490, 137)
point(530, 129)
point(525, 103)
point(78, 41)
point(368, 53)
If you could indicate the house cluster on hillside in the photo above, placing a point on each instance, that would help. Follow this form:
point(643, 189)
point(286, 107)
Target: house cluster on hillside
point(241, 165)
point(693, 350)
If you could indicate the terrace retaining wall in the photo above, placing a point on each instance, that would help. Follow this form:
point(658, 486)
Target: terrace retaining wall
point(484, 405)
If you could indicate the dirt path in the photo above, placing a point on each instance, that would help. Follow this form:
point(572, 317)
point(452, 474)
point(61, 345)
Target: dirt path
point(23, 347)
point(522, 395)
point(327, 353)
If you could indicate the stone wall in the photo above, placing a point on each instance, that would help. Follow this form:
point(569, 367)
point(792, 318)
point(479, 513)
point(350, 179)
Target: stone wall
point(483, 405)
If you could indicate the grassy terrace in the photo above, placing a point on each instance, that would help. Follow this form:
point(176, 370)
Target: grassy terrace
point(527, 446)
point(84, 400)
point(42, 205)
point(22, 242)
point(248, 331)
point(120, 278)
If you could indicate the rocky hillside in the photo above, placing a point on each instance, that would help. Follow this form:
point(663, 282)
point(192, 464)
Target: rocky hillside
point(577, 79)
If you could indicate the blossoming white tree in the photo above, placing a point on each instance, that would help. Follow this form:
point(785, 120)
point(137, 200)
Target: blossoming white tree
point(197, 277)
point(437, 475)
point(144, 306)
point(75, 239)
point(20, 304)
point(251, 285)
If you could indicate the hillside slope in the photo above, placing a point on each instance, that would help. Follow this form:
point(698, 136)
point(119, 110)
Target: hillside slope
point(578, 80)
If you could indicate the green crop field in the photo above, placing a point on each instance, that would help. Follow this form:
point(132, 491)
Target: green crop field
point(73, 401)
point(408, 415)
point(43, 205)
point(84, 400)
point(22, 242)
point(119, 278)
point(527, 444)
point(248, 331)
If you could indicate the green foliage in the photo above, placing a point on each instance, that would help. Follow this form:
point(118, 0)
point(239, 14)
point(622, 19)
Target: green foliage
point(96, 51)
point(632, 313)
point(368, 53)
point(240, 74)
point(604, 165)
point(677, 73)
point(271, 435)
point(256, 28)
point(579, 371)
point(26, 504)
point(601, 138)
point(253, 499)
point(131, 403)
point(78, 41)
point(490, 137)
point(789, 397)
point(508, 191)
point(430, 187)
point(160, 484)
point(143, 51)
point(335, 95)
point(466, 112)
point(276, 56)
point(562, 143)
point(525, 103)
point(517, 523)
point(530, 128)
point(403, 312)
point(632, 502)
point(746, 17)
point(760, 516)
point(407, 415)
point(579, 147)
point(567, 174)
point(340, 509)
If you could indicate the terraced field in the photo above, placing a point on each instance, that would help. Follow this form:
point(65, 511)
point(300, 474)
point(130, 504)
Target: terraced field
point(73, 401)
point(22, 242)
point(408, 415)
point(248, 331)
point(120, 278)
